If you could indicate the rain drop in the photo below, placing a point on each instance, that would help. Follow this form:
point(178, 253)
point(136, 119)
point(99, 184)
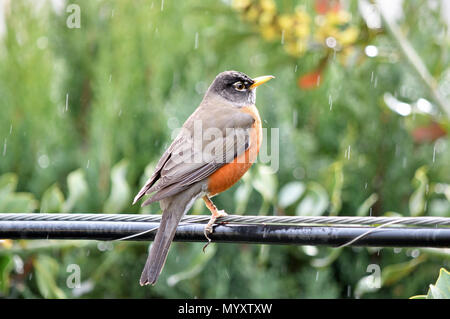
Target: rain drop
point(4, 146)
point(434, 153)
point(282, 37)
point(196, 41)
point(67, 102)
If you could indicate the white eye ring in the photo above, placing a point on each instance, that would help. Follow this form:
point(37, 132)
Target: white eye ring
point(239, 86)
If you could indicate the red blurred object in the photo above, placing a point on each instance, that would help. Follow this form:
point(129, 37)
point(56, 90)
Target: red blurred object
point(310, 81)
point(428, 133)
point(324, 6)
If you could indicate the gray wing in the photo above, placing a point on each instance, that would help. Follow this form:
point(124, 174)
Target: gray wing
point(226, 134)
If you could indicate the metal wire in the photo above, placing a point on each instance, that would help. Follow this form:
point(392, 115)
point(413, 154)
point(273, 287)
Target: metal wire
point(335, 231)
point(336, 236)
point(237, 219)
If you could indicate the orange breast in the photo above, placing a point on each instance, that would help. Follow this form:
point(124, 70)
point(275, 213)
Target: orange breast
point(229, 174)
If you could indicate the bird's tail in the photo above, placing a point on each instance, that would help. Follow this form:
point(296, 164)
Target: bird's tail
point(173, 208)
point(160, 247)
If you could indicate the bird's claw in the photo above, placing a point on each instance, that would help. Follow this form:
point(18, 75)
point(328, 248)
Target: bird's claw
point(209, 227)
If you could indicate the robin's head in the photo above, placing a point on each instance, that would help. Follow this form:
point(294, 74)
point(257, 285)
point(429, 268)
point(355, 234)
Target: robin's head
point(237, 87)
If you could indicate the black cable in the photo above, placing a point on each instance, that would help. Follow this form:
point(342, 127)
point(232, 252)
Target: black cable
point(231, 233)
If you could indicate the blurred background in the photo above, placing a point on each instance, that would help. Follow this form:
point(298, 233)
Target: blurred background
point(91, 91)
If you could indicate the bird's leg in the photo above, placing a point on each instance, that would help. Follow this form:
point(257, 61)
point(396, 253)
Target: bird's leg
point(215, 213)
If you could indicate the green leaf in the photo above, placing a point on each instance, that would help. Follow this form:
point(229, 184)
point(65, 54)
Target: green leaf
point(6, 265)
point(395, 272)
point(265, 182)
point(440, 290)
point(78, 188)
point(327, 260)
point(439, 207)
point(119, 198)
point(18, 203)
point(419, 297)
point(52, 200)
point(290, 193)
point(195, 267)
point(11, 202)
point(315, 201)
point(8, 184)
point(242, 194)
point(338, 183)
point(364, 209)
point(417, 201)
point(46, 268)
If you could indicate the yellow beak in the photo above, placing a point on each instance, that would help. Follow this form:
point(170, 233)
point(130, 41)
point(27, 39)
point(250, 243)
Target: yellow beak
point(261, 80)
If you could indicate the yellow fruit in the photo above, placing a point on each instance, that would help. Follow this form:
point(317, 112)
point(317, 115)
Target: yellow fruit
point(266, 18)
point(268, 5)
point(240, 4)
point(285, 21)
point(296, 48)
point(252, 14)
point(347, 36)
point(269, 32)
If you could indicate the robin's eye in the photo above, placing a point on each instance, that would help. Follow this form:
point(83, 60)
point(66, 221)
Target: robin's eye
point(239, 86)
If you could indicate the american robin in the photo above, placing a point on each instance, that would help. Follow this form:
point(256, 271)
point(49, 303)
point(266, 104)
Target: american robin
point(215, 147)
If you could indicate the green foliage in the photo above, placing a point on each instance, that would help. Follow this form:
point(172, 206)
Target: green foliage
point(10, 200)
point(86, 113)
point(46, 270)
point(77, 189)
point(315, 201)
point(119, 198)
point(440, 290)
point(52, 200)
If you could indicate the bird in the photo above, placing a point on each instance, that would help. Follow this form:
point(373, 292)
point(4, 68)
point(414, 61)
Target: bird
point(214, 148)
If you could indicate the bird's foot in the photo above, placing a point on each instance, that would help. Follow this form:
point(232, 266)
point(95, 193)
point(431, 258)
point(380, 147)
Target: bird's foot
point(209, 227)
